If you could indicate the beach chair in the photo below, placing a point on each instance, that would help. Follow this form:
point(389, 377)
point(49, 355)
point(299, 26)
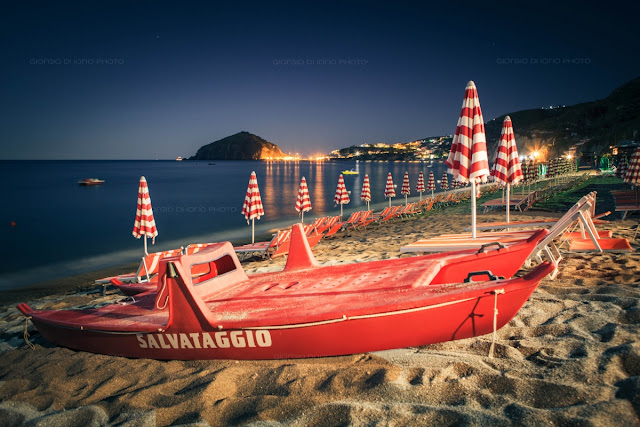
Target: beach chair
point(500, 225)
point(361, 222)
point(519, 203)
point(393, 213)
point(374, 217)
point(546, 248)
point(317, 223)
point(263, 249)
point(338, 226)
point(330, 222)
point(147, 269)
point(613, 245)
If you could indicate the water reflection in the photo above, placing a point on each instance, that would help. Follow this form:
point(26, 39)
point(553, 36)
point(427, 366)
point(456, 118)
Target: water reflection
point(282, 180)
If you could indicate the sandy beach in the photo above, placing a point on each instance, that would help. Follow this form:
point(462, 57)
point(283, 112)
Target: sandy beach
point(571, 356)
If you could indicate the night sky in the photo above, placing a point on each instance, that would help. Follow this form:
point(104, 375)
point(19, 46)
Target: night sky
point(154, 80)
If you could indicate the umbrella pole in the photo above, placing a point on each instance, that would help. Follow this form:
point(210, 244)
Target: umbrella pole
point(253, 223)
point(508, 207)
point(302, 219)
point(389, 201)
point(340, 211)
point(406, 199)
point(473, 209)
point(145, 246)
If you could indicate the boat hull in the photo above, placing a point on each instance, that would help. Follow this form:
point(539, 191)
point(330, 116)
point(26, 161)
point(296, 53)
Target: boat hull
point(206, 307)
point(453, 320)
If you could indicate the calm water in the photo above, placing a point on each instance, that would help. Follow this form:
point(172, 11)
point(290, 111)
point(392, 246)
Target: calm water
point(63, 228)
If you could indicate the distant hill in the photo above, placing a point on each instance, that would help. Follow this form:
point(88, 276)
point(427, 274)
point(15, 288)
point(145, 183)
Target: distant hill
point(241, 146)
point(592, 126)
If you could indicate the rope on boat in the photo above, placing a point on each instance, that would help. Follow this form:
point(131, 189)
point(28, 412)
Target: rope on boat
point(166, 300)
point(26, 334)
point(495, 319)
point(363, 316)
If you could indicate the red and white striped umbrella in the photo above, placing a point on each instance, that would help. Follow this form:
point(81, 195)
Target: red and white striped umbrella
point(406, 188)
point(303, 201)
point(431, 183)
point(252, 208)
point(420, 188)
point(467, 160)
point(633, 169)
point(365, 194)
point(506, 168)
point(444, 183)
point(389, 190)
point(145, 224)
point(342, 196)
point(621, 170)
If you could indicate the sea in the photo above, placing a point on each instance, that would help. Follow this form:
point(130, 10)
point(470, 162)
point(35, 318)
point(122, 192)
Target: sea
point(51, 227)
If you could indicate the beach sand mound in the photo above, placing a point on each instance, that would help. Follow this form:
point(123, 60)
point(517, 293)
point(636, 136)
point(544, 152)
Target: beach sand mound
point(571, 356)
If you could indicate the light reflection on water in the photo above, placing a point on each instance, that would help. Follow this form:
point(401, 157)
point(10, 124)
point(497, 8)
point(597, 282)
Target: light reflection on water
point(60, 222)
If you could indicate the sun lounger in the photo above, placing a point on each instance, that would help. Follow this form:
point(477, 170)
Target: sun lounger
point(546, 247)
point(361, 222)
point(625, 209)
point(147, 269)
point(330, 222)
point(283, 246)
point(393, 212)
point(519, 203)
point(340, 224)
point(537, 223)
point(607, 245)
point(318, 222)
point(264, 249)
point(411, 209)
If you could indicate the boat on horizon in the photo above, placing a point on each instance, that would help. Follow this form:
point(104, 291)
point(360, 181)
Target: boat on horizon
point(179, 159)
point(205, 307)
point(91, 181)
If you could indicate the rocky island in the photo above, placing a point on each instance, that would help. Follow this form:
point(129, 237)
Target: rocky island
point(241, 146)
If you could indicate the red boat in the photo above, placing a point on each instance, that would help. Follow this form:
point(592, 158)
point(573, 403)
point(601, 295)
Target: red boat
point(504, 261)
point(205, 307)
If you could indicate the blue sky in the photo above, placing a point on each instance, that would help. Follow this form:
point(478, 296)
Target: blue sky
point(147, 80)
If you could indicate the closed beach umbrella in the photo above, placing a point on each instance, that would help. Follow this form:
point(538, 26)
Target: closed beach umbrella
point(342, 196)
point(633, 169)
point(365, 194)
point(444, 184)
point(507, 170)
point(622, 168)
point(420, 188)
point(389, 190)
point(145, 224)
point(303, 202)
point(406, 189)
point(252, 207)
point(467, 160)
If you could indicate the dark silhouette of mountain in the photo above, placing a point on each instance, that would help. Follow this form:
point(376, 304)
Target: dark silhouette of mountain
point(241, 146)
point(591, 126)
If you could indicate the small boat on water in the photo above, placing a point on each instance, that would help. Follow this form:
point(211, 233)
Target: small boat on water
point(179, 159)
point(206, 307)
point(91, 181)
point(350, 172)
